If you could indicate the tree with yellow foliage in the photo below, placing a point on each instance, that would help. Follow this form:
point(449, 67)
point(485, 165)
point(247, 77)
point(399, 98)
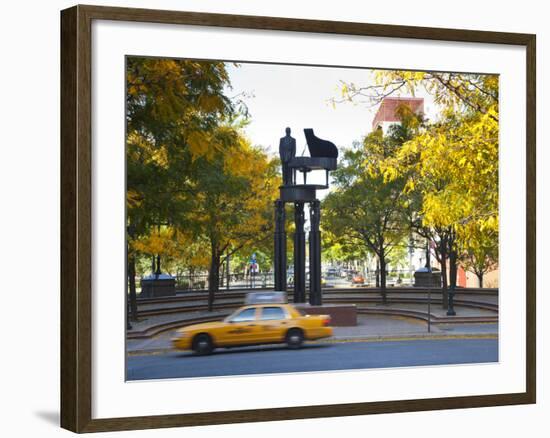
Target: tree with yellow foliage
point(177, 112)
point(451, 165)
point(232, 206)
point(467, 93)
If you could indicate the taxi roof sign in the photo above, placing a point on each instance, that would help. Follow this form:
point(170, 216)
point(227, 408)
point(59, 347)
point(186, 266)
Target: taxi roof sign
point(274, 297)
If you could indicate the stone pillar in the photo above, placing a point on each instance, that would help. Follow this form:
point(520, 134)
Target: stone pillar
point(299, 254)
point(280, 246)
point(315, 293)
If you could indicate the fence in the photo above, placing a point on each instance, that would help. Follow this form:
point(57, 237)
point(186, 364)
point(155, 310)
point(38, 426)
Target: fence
point(263, 280)
point(266, 280)
point(394, 277)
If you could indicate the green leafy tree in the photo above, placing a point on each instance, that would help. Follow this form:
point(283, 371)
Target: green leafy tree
point(172, 108)
point(336, 249)
point(479, 252)
point(233, 204)
point(365, 208)
point(450, 165)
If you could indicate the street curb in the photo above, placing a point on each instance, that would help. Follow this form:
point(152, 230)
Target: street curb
point(411, 337)
point(346, 339)
point(156, 329)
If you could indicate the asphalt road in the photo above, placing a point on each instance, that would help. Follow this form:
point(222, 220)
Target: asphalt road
point(313, 357)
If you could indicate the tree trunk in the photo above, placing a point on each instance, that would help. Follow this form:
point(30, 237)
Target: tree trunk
point(377, 273)
point(191, 273)
point(213, 277)
point(222, 277)
point(227, 272)
point(132, 287)
point(479, 279)
point(383, 277)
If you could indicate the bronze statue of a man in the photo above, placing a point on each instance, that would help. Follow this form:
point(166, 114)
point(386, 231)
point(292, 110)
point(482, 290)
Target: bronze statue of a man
point(287, 151)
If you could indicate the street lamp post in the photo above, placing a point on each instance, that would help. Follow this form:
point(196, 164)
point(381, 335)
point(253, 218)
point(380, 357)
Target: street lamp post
point(411, 252)
point(429, 268)
point(131, 295)
point(450, 309)
point(280, 247)
point(428, 261)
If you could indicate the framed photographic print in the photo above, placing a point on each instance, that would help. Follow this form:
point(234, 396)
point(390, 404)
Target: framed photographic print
point(325, 218)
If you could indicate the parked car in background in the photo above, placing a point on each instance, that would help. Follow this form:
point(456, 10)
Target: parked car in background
point(332, 272)
point(358, 279)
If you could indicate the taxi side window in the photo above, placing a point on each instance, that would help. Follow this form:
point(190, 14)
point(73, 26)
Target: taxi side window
point(245, 315)
point(272, 313)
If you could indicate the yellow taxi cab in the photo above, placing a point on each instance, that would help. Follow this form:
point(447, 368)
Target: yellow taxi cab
point(267, 319)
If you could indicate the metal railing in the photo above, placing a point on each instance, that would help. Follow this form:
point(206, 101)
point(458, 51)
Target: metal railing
point(266, 280)
point(260, 280)
point(394, 277)
point(199, 282)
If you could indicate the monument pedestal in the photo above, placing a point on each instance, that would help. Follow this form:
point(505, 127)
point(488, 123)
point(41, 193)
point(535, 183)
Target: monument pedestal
point(342, 315)
point(425, 277)
point(323, 156)
point(154, 286)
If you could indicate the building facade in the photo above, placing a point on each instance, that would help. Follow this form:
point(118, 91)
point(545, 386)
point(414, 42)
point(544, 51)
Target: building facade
point(388, 114)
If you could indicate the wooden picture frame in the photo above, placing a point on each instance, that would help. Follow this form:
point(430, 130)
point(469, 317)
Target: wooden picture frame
point(76, 217)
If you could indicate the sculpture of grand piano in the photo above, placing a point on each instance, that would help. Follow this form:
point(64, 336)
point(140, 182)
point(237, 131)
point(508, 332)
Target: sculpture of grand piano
point(323, 156)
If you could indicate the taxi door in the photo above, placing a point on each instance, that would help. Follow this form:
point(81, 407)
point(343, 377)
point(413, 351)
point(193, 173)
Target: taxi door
point(273, 323)
point(241, 328)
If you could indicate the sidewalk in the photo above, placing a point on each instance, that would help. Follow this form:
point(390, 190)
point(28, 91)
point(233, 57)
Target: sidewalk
point(369, 328)
point(159, 317)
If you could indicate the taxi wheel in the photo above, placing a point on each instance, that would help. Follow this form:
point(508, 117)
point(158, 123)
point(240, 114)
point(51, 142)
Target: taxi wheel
point(294, 338)
point(202, 344)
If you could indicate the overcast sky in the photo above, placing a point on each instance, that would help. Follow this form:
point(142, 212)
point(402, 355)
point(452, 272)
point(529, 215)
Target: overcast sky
point(299, 97)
